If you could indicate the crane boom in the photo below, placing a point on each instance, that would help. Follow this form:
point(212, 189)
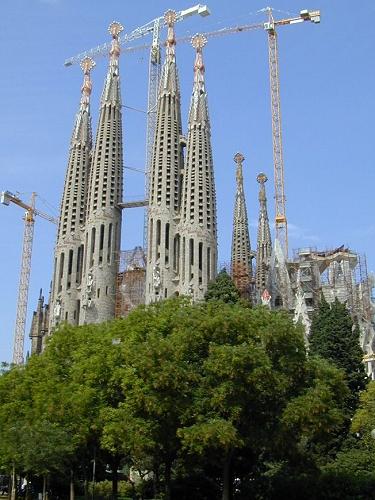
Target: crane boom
point(140, 32)
point(6, 197)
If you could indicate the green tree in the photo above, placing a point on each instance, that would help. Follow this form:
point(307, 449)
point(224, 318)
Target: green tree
point(215, 381)
point(223, 289)
point(334, 337)
point(354, 465)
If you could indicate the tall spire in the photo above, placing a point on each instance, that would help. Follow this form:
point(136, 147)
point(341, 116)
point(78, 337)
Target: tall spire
point(103, 227)
point(82, 130)
point(264, 243)
point(241, 268)
point(68, 265)
point(111, 91)
point(169, 79)
point(162, 271)
point(198, 206)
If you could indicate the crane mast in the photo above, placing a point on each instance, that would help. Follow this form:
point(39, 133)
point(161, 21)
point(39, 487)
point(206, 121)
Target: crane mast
point(27, 246)
point(23, 289)
point(154, 72)
point(281, 224)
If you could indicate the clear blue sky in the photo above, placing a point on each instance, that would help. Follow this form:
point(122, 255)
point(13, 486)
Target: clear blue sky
point(327, 81)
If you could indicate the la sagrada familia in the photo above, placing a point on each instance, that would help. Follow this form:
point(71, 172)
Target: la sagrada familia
point(182, 245)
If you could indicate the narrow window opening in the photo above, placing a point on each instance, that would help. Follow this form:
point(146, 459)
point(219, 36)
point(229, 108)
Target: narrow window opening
point(200, 261)
point(101, 243)
point(208, 264)
point(191, 258)
point(109, 243)
point(61, 271)
point(167, 243)
point(158, 236)
point(93, 234)
point(70, 268)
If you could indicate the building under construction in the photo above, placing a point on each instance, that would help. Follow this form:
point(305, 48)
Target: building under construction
point(94, 281)
point(131, 281)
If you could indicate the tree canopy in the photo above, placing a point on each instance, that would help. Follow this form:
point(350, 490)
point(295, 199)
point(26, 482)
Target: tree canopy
point(185, 394)
point(223, 289)
point(333, 336)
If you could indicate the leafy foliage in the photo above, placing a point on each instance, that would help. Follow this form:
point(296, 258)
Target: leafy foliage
point(334, 337)
point(223, 289)
point(194, 394)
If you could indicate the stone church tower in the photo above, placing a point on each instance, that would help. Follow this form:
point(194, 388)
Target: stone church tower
point(264, 242)
point(88, 240)
point(69, 250)
point(103, 224)
point(182, 238)
point(198, 233)
point(162, 270)
point(241, 268)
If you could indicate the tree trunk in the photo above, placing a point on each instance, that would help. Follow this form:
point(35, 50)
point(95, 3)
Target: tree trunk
point(13, 490)
point(167, 478)
point(114, 481)
point(156, 479)
point(27, 493)
point(44, 488)
point(47, 487)
point(86, 488)
point(227, 477)
point(71, 497)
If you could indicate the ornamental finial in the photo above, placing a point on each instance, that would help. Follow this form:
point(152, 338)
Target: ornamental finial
point(198, 42)
point(86, 65)
point(170, 17)
point(238, 158)
point(262, 178)
point(115, 29)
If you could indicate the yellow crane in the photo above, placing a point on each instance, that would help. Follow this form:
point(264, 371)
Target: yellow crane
point(6, 198)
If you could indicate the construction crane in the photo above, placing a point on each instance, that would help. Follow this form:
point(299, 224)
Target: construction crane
point(6, 198)
point(154, 71)
point(281, 225)
point(273, 58)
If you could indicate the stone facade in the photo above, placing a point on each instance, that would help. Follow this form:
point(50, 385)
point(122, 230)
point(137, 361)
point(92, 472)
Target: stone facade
point(89, 233)
point(103, 224)
point(69, 250)
point(162, 272)
point(198, 232)
point(264, 242)
point(241, 267)
point(182, 241)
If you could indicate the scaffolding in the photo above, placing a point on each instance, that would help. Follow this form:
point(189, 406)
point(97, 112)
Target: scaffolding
point(131, 281)
point(340, 273)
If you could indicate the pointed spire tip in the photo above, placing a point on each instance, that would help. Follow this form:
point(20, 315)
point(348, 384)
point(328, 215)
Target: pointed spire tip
point(115, 28)
point(262, 178)
point(239, 158)
point(87, 64)
point(170, 17)
point(198, 41)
